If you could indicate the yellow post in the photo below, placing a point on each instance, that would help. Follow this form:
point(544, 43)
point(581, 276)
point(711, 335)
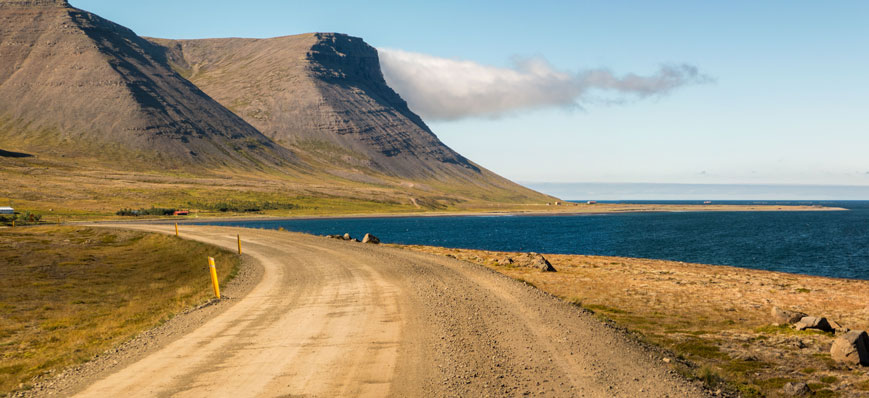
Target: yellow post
point(213, 271)
point(239, 243)
point(176, 229)
point(13, 223)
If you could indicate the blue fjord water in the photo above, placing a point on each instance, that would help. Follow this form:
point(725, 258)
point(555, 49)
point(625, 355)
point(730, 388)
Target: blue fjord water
point(834, 243)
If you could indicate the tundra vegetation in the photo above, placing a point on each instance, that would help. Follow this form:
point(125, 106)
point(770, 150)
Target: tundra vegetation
point(714, 320)
point(70, 293)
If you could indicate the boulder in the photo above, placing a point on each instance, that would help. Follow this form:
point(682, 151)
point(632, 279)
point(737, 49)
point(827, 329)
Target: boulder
point(505, 261)
point(368, 238)
point(812, 322)
point(851, 348)
point(335, 236)
point(347, 236)
point(541, 263)
point(796, 390)
point(784, 317)
point(837, 327)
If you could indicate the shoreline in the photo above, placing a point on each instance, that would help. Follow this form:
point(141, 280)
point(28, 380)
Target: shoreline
point(713, 319)
point(721, 267)
point(609, 209)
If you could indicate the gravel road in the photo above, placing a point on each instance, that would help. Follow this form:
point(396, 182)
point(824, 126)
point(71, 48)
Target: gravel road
point(333, 318)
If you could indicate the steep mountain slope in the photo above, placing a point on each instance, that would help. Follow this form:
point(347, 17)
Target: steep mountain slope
point(94, 118)
point(323, 96)
point(316, 91)
point(75, 84)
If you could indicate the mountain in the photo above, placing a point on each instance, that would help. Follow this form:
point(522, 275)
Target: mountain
point(109, 118)
point(75, 84)
point(323, 96)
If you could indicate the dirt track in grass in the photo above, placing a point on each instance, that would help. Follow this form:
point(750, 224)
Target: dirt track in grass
point(335, 318)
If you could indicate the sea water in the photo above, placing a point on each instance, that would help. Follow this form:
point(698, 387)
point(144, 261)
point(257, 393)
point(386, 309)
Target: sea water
point(825, 243)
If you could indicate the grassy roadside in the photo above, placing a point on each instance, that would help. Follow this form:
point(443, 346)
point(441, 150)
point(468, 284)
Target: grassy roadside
point(69, 293)
point(716, 320)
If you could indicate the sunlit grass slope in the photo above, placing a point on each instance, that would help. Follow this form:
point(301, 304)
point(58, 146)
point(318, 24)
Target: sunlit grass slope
point(69, 293)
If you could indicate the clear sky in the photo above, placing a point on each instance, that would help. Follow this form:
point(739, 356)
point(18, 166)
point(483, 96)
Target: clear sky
point(737, 92)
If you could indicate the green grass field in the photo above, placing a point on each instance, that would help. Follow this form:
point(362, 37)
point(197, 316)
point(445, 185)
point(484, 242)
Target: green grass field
point(69, 293)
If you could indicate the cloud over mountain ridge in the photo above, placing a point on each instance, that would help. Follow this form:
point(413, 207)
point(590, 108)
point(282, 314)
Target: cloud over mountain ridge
point(451, 89)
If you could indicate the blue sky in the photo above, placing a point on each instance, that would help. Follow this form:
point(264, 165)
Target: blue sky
point(785, 99)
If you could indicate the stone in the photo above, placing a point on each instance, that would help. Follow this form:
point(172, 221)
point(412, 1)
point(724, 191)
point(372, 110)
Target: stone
point(505, 261)
point(812, 322)
point(335, 236)
point(541, 263)
point(347, 236)
point(746, 357)
point(851, 348)
point(838, 328)
point(784, 317)
point(368, 238)
point(796, 389)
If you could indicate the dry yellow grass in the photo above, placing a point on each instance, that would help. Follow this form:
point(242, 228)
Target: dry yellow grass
point(715, 317)
point(69, 293)
point(87, 190)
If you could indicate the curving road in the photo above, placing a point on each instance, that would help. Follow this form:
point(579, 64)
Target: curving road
point(332, 318)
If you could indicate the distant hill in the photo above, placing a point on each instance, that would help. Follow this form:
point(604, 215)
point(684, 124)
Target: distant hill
point(79, 91)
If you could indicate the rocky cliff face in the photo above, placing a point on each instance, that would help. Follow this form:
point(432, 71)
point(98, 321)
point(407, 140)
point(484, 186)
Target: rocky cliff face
point(75, 84)
point(319, 92)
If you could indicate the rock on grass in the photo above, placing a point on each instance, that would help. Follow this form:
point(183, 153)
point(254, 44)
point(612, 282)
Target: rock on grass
point(784, 317)
point(796, 390)
point(851, 348)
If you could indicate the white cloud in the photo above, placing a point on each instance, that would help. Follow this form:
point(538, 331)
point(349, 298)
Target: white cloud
point(449, 89)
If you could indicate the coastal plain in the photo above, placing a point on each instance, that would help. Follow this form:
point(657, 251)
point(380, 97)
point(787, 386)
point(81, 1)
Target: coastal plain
point(716, 320)
point(340, 318)
point(98, 123)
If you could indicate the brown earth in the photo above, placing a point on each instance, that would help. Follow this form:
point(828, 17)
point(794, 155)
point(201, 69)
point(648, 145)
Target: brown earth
point(336, 318)
point(717, 318)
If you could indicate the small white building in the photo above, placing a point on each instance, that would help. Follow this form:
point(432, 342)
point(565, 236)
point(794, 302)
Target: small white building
point(7, 210)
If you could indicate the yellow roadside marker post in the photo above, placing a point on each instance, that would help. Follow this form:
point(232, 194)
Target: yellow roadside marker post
point(213, 271)
point(13, 223)
point(239, 243)
point(176, 229)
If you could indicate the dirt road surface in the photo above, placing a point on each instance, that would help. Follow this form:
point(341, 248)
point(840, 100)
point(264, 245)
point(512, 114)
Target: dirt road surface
point(333, 318)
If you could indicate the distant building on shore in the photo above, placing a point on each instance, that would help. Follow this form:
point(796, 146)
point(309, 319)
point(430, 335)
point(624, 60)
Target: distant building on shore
point(592, 202)
point(7, 210)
